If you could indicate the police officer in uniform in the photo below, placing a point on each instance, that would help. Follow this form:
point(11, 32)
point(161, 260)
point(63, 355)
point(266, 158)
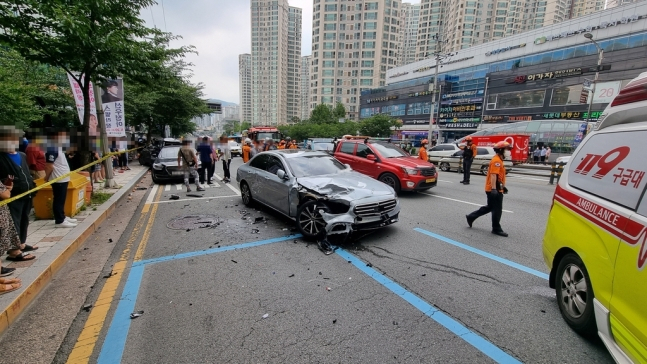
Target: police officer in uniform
point(494, 189)
point(469, 152)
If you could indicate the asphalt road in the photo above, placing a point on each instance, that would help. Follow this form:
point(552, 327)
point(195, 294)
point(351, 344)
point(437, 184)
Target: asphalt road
point(427, 289)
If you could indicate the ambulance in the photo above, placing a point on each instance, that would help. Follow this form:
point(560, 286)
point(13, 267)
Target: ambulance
point(595, 243)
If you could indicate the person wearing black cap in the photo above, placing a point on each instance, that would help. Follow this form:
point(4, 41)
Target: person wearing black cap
point(110, 93)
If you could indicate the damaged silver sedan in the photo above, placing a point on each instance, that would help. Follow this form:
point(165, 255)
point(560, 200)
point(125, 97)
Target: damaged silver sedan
point(323, 196)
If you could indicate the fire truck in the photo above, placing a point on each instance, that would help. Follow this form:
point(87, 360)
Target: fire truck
point(519, 143)
point(258, 135)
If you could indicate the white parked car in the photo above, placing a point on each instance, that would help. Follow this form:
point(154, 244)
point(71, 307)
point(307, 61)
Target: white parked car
point(440, 151)
point(235, 148)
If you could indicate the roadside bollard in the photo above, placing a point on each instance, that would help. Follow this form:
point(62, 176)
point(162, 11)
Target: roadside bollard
point(556, 172)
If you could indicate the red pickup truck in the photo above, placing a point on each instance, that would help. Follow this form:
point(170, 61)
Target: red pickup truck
point(388, 163)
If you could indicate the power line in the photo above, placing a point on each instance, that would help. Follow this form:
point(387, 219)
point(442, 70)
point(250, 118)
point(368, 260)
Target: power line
point(164, 14)
point(153, 16)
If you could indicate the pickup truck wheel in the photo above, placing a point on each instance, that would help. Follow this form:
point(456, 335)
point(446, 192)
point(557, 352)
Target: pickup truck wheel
point(391, 180)
point(444, 166)
point(309, 221)
point(484, 170)
point(575, 295)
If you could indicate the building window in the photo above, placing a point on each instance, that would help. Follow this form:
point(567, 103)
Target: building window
point(568, 95)
point(366, 82)
point(367, 73)
point(330, 7)
point(513, 100)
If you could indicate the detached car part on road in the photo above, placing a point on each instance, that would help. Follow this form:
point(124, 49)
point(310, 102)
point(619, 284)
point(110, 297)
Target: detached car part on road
point(319, 193)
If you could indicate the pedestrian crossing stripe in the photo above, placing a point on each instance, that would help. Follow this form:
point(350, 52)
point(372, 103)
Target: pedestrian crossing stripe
point(168, 188)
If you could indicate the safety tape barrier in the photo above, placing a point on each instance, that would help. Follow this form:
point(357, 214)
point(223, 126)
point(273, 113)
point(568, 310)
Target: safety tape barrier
point(109, 155)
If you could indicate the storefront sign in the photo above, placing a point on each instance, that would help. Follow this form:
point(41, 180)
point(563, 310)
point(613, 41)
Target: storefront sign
point(461, 108)
point(381, 99)
point(462, 123)
point(501, 50)
point(605, 92)
point(589, 29)
point(519, 117)
point(462, 101)
point(399, 74)
point(493, 118)
point(416, 122)
point(456, 60)
point(546, 75)
point(421, 93)
point(462, 94)
point(423, 69)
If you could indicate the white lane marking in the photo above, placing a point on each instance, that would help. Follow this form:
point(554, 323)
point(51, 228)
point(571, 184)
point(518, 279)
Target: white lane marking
point(528, 178)
point(194, 199)
point(204, 185)
point(167, 188)
point(151, 196)
point(178, 187)
point(461, 201)
point(236, 191)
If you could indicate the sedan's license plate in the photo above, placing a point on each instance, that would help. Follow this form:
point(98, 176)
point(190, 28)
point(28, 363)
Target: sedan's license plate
point(430, 180)
point(178, 173)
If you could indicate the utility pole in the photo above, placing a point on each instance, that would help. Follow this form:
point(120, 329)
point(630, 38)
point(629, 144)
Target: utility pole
point(438, 58)
point(107, 164)
point(589, 36)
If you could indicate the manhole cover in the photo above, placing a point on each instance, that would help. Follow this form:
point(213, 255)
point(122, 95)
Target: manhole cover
point(192, 221)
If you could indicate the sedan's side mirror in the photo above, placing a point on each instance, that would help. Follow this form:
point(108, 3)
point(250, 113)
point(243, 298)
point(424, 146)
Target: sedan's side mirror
point(281, 174)
point(371, 157)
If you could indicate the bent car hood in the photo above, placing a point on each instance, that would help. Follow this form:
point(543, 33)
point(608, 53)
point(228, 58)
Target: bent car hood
point(349, 185)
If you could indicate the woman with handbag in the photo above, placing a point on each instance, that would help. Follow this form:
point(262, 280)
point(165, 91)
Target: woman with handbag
point(187, 159)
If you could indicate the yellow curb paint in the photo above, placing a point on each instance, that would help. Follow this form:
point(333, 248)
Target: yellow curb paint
point(149, 200)
point(88, 338)
point(147, 232)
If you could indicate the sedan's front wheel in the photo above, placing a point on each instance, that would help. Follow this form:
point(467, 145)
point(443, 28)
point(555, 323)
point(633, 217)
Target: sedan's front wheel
point(444, 166)
point(575, 295)
point(309, 220)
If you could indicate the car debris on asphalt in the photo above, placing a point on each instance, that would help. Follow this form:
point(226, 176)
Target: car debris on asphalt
point(134, 315)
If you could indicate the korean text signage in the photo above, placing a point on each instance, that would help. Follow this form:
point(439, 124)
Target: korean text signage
point(416, 122)
point(546, 75)
point(459, 111)
point(501, 50)
point(462, 123)
point(113, 108)
point(381, 99)
point(463, 94)
point(590, 28)
point(422, 93)
point(476, 100)
point(399, 74)
point(80, 107)
point(569, 115)
point(427, 68)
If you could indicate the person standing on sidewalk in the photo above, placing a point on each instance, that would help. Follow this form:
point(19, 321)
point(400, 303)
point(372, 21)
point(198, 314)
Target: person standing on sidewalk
point(548, 151)
point(494, 189)
point(542, 155)
point(13, 167)
point(187, 159)
point(206, 158)
point(9, 239)
point(55, 167)
point(535, 155)
point(225, 155)
point(469, 152)
point(36, 158)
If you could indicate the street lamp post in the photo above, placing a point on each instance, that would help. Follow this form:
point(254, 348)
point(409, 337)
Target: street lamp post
point(589, 36)
point(433, 100)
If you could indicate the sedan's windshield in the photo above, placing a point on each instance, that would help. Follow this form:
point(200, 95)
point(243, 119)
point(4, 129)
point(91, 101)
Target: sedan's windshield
point(388, 150)
point(169, 152)
point(314, 165)
point(323, 146)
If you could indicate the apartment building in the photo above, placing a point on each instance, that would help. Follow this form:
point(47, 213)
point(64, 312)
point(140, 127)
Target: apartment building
point(430, 23)
point(354, 43)
point(305, 88)
point(245, 86)
point(274, 60)
point(294, 64)
point(409, 17)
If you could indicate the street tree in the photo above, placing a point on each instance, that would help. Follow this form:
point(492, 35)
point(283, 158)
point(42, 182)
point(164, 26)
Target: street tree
point(90, 39)
point(339, 112)
point(378, 125)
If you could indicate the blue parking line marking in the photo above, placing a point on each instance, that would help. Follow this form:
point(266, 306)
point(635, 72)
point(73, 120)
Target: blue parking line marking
point(484, 254)
point(113, 346)
point(215, 250)
point(481, 344)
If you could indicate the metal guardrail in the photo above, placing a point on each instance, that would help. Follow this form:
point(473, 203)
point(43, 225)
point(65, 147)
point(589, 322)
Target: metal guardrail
point(553, 171)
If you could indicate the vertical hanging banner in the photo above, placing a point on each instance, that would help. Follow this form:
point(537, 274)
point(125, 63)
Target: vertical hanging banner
point(78, 98)
point(112, 97)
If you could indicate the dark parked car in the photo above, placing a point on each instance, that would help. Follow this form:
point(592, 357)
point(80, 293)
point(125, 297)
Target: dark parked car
point(148, 154)
point(165, 168)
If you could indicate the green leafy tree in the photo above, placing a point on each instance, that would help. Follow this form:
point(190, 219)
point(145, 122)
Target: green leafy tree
point(377, 126)
point(322, 114)
point(339, 112)
point(90, 39)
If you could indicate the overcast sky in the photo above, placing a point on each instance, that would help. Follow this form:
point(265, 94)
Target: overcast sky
point(220, 31)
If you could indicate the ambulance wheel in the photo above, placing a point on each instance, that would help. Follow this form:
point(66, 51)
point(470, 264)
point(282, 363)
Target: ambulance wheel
point(575, 295)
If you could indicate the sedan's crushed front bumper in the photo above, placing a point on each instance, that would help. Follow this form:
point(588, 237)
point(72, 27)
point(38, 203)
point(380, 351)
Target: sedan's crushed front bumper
point(364, 216)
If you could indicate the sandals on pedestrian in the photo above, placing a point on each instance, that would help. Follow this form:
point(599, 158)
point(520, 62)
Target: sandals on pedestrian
point(6, 288)
point(10, 280)
point(29, 248)
point(22, 257)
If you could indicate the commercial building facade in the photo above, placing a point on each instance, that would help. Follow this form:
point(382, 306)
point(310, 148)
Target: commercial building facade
point(354, 43)
point(537, 75)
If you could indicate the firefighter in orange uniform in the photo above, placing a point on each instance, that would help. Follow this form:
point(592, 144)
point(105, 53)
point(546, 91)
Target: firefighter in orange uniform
point(247, 150)
point(281, 144)
point(422, 152)
point(494, 189)
point(291, 144)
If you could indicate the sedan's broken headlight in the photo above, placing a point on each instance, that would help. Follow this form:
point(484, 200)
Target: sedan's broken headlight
point(338, 206)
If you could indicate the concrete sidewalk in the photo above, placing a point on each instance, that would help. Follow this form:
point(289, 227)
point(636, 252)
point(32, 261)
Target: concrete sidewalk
point(57, 245)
